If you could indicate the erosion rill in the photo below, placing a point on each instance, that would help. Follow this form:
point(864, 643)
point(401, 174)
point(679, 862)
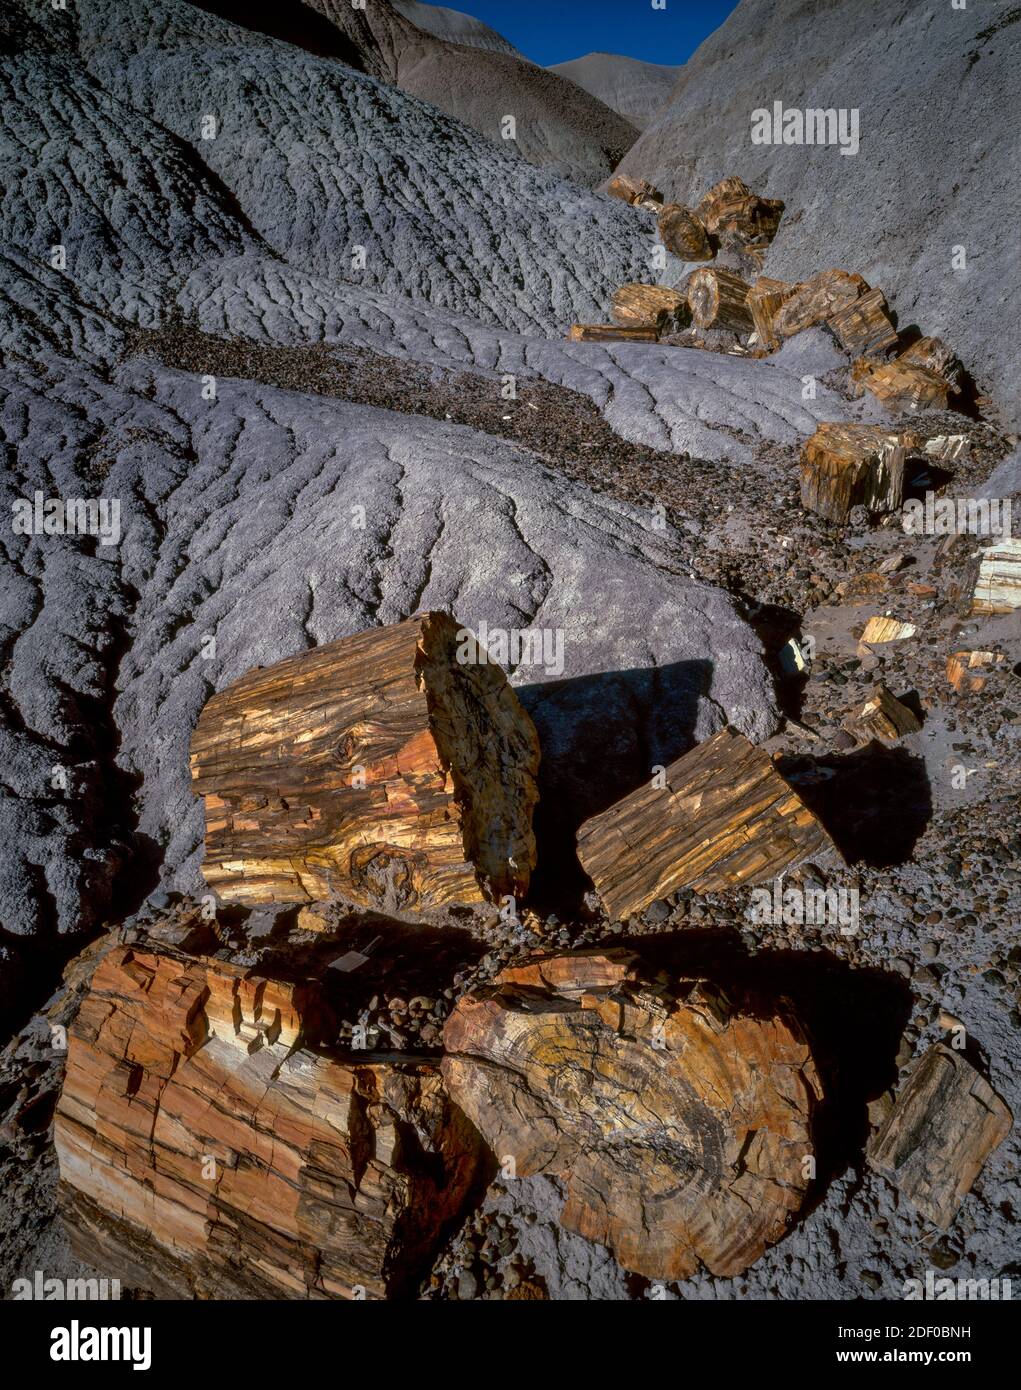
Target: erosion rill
point(395, 768)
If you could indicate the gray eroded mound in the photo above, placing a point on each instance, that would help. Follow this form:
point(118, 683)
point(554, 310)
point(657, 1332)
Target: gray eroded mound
point(938, 89)
point(454, 26)
point(637, 90)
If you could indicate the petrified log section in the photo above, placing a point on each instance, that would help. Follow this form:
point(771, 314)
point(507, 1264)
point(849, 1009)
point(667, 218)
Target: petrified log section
point(648, 305)
point(764, 300)
point(683, 233)
point(934, 355)
point(969, 671)
point(998, 586)
point(945, 1123)
point(380, 767)
point(863, 327)
point(612, 333)
point(632, 189)
point(719, 299)
point(723, 816)
point(901, 385)
point(208, 1147)
point(677, 1118)
point(845, 466)
point(739, 218)
point(882, 716)
point(818, 299)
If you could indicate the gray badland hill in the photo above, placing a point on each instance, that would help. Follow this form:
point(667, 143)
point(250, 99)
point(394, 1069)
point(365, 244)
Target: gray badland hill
point(635, 89)
point(938, 90)
point(455, 26)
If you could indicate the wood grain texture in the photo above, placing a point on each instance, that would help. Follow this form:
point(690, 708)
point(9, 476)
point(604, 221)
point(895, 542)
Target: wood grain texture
point(725, 816)
point(944, 1124)
point(210, 1147)
point(380, 767)
point(883, 717)
point(683, 233)
point(613, 333)
point(846, 466)
point(815, 300)
point(719, 299)
point(632, 189)
point(649, 305)
point(862, 327)
point(739, 218)
point(677, 1118)
point(998, 582)
point(900, 385)
point(764, 300)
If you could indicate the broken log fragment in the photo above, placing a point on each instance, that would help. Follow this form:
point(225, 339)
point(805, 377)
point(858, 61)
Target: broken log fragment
point(677, 1116)
point(393, 768)
point(739, 218)
point(998, 585)
point(651, 306)
point(962, 665)
point(846, 466)
point(814, 301)
point(901, 386)
point(764, 300)
point(882, 717)
point(210, 1146)
point(632, 189)
point(944, 1124)
point(719, 299)
point(934, 355)
point(683, 233)
point(613, 333)
point(862, 327)
point(721, 815)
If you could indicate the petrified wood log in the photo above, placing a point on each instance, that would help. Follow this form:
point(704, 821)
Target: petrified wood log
point(764, 300)
point(719, 299)
point(998, 584)
point(845, 466)
point(719, 816)
point(882, 716)
point(738, 217)
point(392, 768)
point(934, 355)
point(678, 1119)
point(632, 189)
point(863, 327)
point(647, 305)
point(963, 666)
point(901, 385)
point(683, 233)
point(613, 333)
point(945, 1123)
point(210, 1147)
point(818, 299)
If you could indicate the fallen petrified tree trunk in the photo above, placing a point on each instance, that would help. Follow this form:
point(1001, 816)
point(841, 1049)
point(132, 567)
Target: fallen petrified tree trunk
point(392, 767)
point(764, 300)
point(719, 299)
point(863, 327)
point(651, 306)
point(678, 1119)
point(719, 816)
point(901, 385)
point(209, 1148)
point(818, 299)
point(632, 189)
point(998, 582)
point(613, 333)
point(739, 218)
point(945, 1123)
point(846, 466)
point(882, 716)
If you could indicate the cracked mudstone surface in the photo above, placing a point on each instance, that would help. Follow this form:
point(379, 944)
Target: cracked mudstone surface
point(208, 355)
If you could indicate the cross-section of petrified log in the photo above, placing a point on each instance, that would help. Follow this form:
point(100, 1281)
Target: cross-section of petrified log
point(649, 305)
point(683, 233)
point(818, 299)
point(998, 583)
point(677, 1118)
point(719, 299)
point(901, 385)
point(738, 217)
point(210, 1147)
point(845, 466)
point(945, 1123)
point(392, 767)
point(719, 816)
point(863, 326)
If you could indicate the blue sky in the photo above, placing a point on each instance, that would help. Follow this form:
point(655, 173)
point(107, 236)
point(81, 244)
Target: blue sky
point(551, 31)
